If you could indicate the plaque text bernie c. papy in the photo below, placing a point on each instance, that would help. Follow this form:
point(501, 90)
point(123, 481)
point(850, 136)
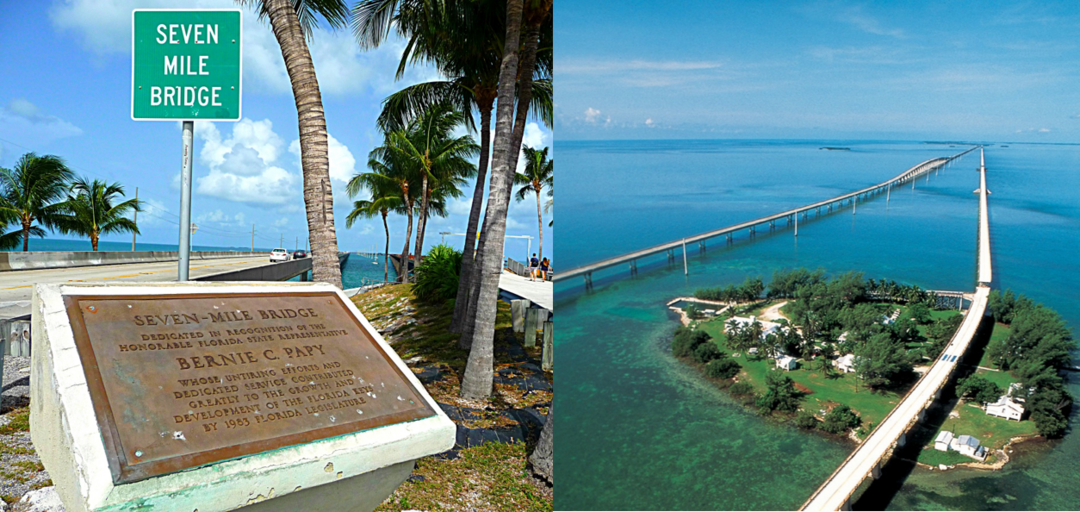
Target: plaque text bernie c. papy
point(179, 381)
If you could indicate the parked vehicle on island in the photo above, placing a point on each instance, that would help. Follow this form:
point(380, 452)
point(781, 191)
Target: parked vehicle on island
point(279, 255)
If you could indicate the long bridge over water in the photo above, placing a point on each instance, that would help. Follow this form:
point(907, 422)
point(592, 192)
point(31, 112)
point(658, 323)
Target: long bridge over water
point(791, 216)
point(867, 460)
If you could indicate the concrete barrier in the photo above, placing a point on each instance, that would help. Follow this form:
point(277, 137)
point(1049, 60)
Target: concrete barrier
point(281, 271)
point(10, 261)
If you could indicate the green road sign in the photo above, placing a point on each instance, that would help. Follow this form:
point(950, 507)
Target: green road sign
point(185, 64)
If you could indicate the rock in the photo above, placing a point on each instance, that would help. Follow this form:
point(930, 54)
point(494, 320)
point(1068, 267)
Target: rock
point(942, 467)
point(42, 500)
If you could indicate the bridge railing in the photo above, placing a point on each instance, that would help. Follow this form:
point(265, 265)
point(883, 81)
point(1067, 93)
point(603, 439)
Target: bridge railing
point(910, 174)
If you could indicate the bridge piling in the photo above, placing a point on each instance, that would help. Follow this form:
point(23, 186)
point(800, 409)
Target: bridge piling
point(685, 268)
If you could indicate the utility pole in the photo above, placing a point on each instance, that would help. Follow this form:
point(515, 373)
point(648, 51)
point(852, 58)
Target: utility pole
point(296, 244)
point(282, 242)
point(135, 220)
point(252, 237)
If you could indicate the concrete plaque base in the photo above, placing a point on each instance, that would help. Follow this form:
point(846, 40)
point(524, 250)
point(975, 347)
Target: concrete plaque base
point(353, 471)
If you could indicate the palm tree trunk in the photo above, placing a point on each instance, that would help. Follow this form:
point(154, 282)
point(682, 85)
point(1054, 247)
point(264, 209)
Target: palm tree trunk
point(541, 457)
point(479, 371)
point(386, 251)
point(408, 237)
point(524, 88)
point(94, 240)
point(318, 196)
point(26, 235)
point(465, 281)
point(422, 220)
point(540, 219)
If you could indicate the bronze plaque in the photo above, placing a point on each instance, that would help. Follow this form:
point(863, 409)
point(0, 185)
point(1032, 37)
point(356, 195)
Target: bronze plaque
point(179, 381)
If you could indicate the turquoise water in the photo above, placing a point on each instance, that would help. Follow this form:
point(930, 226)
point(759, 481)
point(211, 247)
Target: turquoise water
point(360, 270)
point(639, 431)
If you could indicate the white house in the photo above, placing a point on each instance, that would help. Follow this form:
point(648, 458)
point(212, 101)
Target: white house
point(767, 327)
point(787, 363)
point(1006, 407)
point(944, 438)
point(1016, 392)
point(845, 363)
point(969, 446)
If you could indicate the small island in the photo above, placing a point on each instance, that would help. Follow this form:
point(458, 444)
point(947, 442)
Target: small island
point(836, 354)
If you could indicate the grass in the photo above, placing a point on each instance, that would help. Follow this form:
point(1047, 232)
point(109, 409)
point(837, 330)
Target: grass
point(490, 477)
point(825, 392)
point(991, 431)
point(1000, 332)
point(19, 422)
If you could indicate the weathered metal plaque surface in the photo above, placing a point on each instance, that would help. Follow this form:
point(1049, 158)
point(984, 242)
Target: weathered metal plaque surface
point(179, 381)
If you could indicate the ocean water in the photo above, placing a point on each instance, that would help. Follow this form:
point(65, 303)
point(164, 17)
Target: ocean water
point(359, 269)
point(640, 431)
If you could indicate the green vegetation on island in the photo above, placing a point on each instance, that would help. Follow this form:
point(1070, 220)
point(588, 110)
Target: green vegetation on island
point(1034, 351)
point(842, 349)
point(837, 354)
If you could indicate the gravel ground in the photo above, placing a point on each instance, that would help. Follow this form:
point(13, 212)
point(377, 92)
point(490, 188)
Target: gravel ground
point(20, 468)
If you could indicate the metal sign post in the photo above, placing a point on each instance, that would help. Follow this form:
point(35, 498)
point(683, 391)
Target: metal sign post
point(185, 203)
point(186, 65)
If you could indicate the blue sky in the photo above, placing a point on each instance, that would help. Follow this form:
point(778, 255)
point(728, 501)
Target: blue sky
point(965, 70)
point(66, 86)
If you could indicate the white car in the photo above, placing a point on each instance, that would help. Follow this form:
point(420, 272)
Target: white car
point(279, 255)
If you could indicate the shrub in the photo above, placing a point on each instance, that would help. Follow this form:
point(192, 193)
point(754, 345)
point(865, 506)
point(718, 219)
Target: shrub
point(741, 389)
point(780, 394)
point(706, 352)
point(437, 274)
point(840, 419)
point(978, 389)
point(686, 341)
point(722, 368)
point(806, 420)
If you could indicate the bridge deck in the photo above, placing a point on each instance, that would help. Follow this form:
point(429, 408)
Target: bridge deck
point(907, 175)
point(17, 287)
point(835, 493)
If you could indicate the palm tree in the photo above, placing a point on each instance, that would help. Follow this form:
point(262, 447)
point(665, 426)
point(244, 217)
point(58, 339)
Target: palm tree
point(390, 171)
point(429, 146)
point(479, 334)
point(91, 211)
point(537, 43)
point(537, 176)
point(460, 38)
point(30, 197)
point(292, 21)
point(384, 199)
point(541, 457)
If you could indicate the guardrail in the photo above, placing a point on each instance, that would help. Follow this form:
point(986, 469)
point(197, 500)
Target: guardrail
point(12, 261)
point(517, 267)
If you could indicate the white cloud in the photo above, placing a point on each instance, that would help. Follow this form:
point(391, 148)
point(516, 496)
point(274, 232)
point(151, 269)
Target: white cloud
point(535, 136)
point(459, 206)
point(220, 217)
point(342, 67)
point(368, 229)
point(591, 115)
point(342, 161)
point(242, 166)
point(649, 122)
point(25, 123)
point(154, 213)
point(281, 222)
